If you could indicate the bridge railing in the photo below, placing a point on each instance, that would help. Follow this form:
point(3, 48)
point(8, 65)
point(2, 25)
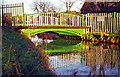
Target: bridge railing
point(55, 19)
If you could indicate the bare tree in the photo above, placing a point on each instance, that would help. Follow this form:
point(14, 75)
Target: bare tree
point(69, 4)
point(42, 6)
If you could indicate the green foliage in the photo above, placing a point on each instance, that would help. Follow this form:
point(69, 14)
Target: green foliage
point(97, 36)
point(114, 35)
point(19, 55)
point(63, 42)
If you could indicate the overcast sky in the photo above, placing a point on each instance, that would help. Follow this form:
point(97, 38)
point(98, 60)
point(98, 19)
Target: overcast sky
point(29, 3)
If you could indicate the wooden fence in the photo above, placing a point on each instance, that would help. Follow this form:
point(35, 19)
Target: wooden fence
point(103, 22)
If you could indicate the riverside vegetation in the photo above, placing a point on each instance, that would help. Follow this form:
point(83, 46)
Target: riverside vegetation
point(102, 37)
point(21, 57)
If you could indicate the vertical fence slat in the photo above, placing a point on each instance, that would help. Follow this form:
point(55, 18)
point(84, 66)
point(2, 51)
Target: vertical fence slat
point(41, 20)
point(109, 25)
point(47, 18)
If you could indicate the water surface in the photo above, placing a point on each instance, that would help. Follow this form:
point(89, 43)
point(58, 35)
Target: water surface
point(74, 57)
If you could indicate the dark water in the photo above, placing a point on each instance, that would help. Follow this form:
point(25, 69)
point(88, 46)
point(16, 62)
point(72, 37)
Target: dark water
point(72, 57)
point(92, 60)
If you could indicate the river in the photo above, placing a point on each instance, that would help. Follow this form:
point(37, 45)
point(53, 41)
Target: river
point(74, 57)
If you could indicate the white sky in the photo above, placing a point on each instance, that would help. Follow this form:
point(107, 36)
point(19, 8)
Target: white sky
point(29, 3)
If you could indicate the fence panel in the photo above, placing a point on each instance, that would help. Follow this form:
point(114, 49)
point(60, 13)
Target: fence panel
point(11, 14)
point(104, 22)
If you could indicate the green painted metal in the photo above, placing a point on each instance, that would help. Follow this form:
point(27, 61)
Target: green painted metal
point(66, 31)
point(62, 19)
point(52, 13)
point(24, 20)
point(114, 14)
point(73, 48)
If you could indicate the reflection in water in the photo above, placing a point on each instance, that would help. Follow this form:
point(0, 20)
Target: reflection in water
point(37, 40)
point(92, 60)
point(102, 61)
point(64, 60)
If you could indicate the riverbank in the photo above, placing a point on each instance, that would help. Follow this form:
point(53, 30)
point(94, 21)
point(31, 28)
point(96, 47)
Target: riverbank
point(21, 57)
point(102, 37)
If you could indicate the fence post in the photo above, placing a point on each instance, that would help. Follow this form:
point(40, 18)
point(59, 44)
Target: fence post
point(60, 18)
point(40, 19)
point(51, 18)
point(78, 21)
point(72, 20)
point(47, 18)
point(83, 22)
point(114, 27)
point(24, 20)
point(2, 16)
point(86, 20)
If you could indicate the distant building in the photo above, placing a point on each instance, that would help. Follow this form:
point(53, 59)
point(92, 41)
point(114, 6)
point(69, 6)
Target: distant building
point(102, 16)
point(100, 7)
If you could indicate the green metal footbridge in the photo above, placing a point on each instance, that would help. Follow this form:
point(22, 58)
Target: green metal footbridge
point(31, 24)
point(62, 23)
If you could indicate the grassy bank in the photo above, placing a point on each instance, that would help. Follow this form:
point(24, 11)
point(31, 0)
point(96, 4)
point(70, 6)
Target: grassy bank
point(20, 57)
point(63, 46)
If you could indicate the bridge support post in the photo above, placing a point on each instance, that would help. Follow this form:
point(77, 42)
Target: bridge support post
point(29, 35)
point(24, 20)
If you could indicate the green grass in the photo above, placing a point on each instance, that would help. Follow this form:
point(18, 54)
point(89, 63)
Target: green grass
point(63, 42)
point(63, 46)
point(61, 49)
point(19, 53)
